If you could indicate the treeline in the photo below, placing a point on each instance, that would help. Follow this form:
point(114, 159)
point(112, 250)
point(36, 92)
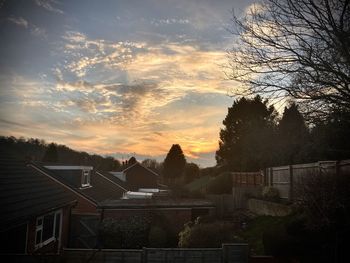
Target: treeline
point(255, 137)
point(38, 150)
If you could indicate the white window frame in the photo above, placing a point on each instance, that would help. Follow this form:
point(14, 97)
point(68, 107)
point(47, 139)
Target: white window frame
point(40, 228)
point(85, 174)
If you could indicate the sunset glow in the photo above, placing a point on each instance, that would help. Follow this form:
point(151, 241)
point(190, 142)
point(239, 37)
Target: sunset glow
point(117, 77)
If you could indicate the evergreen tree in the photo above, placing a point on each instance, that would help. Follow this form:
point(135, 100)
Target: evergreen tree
point(132, 161)
point(246, 141)
point(293, 136)
point(174, 164)
point(51, 155)
point(191, 172)
point(330, 136)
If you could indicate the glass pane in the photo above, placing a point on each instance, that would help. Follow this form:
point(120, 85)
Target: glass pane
point(38, 237)
point(58, 223)
point(48, 226)
point(85, 179)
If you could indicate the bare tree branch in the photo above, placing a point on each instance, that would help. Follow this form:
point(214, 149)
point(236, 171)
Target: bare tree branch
point(300, 47)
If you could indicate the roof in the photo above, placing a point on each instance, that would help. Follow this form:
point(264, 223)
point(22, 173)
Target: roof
point(25, 193)
point(101, 188)
point(139, 164)
point(156, 203)
point(129, 185)
point(114, 179)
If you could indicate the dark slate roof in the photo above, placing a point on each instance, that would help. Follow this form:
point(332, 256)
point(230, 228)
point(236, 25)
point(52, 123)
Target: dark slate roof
point(129, 169)
point(115, 180)
point(101, 189)
point(137, 164)
point(25, 193)
point(156, 203)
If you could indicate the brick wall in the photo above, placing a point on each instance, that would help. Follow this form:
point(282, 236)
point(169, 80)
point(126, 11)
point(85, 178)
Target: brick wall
point(52, 247)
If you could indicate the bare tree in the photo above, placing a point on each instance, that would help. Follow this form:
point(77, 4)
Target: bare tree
point(294, 48)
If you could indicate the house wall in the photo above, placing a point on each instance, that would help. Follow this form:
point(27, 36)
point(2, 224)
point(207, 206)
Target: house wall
point(52, 247)
point(84, 207)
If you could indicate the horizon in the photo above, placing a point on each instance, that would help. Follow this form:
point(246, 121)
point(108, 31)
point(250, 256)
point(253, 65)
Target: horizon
point(117, 77)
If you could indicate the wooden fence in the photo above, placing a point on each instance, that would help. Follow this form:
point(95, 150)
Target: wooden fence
point(247, 178)
point(287, 178)
point(235, 253)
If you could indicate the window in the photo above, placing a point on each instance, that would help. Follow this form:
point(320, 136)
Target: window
point(48, 228)
point(85, 178)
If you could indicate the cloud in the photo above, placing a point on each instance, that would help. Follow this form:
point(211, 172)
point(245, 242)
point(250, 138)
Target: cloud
point(20, 21)
point(170, 21)
point(34, 30)
point(37, 31)
point(49, 5)
point(175, 66)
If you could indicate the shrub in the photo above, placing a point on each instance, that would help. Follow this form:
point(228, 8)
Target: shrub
point(206, 234)
point(124, 233)
point(221, 184)
point(271, 193)
point(157, 237)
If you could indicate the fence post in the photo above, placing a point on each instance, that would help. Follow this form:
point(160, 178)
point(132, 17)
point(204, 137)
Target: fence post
point(271, 176)
point(291, 184)
point(144, 255)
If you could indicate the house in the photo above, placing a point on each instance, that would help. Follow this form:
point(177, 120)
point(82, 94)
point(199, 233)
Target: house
point(35, 211)
point(135, 176)
point(89, 188)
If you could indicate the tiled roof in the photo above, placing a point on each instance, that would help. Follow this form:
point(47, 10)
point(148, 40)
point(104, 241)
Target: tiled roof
point(134, 168)
point(115, 179)
point(101, 189)
point(25, 193)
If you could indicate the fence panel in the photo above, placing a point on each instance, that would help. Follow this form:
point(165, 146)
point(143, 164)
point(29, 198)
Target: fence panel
point(229, 253)
point(103, 255)
point(281, 180)
point(174, 255)
point(287, 179)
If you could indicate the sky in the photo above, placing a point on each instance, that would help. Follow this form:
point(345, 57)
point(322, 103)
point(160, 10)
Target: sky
point(117, 77)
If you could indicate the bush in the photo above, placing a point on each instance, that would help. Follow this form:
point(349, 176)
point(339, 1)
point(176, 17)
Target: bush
point(221, 184)
point(271, 193)
point(124, 233)
point(197, 234)
point(157, 237)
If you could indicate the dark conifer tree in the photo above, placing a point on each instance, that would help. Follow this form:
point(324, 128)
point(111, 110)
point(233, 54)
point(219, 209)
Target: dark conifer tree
point(247, 139)
point(132, 160)
point(174, 164)
point(293, 136)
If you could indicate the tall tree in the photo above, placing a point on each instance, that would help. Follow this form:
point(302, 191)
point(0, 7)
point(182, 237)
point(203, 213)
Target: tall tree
point(293, 136)
point(174, 164)
point(246, 141)
point(330, 136)
point(51, 154)
point(152, 164)
point(191, 172)
point(297, 48)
